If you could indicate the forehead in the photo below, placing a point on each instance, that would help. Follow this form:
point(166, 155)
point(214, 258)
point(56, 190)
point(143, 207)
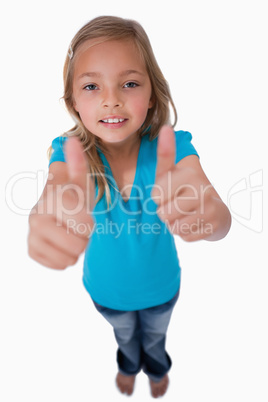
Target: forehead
point(104, 53)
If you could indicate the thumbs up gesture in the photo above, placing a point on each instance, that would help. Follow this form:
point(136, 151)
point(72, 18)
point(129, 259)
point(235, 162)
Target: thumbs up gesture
point(187, 202)
point(61, 222)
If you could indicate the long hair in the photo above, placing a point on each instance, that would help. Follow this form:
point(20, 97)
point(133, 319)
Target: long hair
point(115, 28)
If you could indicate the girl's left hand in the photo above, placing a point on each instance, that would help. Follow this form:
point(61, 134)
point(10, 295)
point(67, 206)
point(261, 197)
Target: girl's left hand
point(187, 202)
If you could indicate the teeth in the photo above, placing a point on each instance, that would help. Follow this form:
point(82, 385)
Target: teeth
point(113, 120)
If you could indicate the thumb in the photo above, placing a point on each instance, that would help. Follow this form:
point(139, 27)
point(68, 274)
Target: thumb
point(78, 169)
point(76, 162)
point(166, 148)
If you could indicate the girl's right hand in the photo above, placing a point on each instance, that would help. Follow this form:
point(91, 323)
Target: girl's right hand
point(61, 222)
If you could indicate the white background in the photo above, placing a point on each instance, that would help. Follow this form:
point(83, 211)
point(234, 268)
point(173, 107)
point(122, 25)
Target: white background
point(54, 345)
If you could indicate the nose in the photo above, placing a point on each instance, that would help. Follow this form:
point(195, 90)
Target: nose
point(112, 98)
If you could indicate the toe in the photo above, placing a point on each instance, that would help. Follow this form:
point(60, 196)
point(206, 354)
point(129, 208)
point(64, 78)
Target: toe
point(159, 389)
point(125, 383)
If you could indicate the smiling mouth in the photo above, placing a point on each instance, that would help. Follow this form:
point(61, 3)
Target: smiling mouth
point(113, 121)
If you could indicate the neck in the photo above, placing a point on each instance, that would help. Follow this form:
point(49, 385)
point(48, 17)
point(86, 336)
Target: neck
point(122, 150)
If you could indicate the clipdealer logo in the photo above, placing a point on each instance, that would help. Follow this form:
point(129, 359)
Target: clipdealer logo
point(244, 197)
point(245, 201)
point(133, 226)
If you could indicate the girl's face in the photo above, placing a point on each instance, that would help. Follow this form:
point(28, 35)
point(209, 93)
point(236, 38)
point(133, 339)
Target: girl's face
point(111, 89)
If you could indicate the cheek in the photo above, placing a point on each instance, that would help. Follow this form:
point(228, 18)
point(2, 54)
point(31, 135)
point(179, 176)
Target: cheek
point(81, 101)
point(140, 107)
point(85, 116)
point(83, 108)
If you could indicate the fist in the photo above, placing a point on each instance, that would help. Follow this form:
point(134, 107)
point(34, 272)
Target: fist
point(61, 222)
point(186, 200)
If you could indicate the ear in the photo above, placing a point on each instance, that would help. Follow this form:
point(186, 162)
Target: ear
point(74, 105)
point(151, 103)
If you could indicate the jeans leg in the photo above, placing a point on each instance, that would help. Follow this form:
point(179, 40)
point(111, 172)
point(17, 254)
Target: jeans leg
point(127, 334)
point(154, 323)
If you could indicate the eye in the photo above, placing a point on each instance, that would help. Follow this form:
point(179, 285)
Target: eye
point(131, 85)
point(90, 87)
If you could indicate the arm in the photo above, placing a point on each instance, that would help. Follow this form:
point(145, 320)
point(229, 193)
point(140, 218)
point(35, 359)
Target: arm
point(213, 211)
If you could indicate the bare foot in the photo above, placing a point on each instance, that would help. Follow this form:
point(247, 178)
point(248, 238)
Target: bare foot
point(159, 388)
point(125, 383)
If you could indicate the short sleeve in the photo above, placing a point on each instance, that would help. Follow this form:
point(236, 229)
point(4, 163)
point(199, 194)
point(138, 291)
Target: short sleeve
point(184, 146)
point(58, 150)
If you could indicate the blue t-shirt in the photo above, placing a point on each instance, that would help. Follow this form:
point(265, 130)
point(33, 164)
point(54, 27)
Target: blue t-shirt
point(131, 260)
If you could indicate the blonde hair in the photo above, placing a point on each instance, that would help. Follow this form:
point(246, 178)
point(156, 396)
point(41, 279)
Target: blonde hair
point(116, 28)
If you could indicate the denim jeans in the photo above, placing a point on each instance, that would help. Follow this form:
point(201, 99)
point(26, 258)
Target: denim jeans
point(141, 338)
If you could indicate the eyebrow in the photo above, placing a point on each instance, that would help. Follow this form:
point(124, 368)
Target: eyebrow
point(128, 72)
point(99, 75)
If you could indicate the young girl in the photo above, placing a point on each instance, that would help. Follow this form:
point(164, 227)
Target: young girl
point(121, 184)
